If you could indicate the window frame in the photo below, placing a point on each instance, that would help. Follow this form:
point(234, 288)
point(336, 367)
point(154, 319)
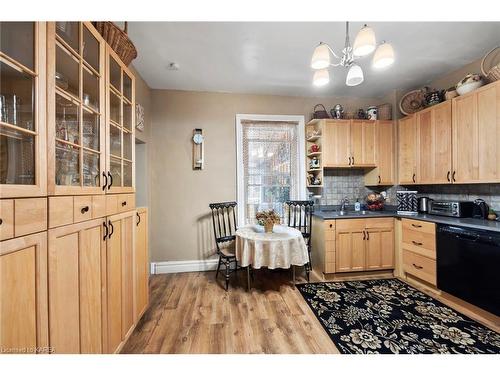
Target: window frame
point(301, 164)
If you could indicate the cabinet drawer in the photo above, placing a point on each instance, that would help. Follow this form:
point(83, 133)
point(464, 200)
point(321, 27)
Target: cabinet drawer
point(30, 216)
point(60, 211)
point(420, 266)
point(82, 208)
point(98, 206)
point(111, 204)
point(419, 226)
point(6, 219)
point(423, 243)
point(126, 202)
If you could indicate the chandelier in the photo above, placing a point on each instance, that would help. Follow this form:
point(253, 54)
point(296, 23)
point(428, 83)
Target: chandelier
point(364, 44)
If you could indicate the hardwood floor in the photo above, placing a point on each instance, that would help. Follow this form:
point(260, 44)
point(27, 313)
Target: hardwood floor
point(191, 313)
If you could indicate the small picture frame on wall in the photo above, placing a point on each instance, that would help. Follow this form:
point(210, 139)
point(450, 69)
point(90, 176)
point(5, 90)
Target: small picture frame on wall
point(139, 117)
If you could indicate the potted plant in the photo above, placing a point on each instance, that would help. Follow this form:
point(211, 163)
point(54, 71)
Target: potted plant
point(267, 219)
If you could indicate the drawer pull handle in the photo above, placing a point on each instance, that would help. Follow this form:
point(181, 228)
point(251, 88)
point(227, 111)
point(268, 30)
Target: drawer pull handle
point(416, 225)
point(105, 231)
point(84, 209)
point(112, 228)
point(417, 243)
point(364, 235)
point(331, 225)
point(417, 267)
point(1, 221)
point(105, 179)
point(138, 219)
point(110, 180)
point(124, 203)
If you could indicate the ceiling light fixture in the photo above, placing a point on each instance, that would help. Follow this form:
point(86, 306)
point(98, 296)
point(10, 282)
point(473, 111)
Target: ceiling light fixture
point(364, 44)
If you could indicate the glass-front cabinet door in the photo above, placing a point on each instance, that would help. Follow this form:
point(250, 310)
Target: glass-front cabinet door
point(76, 109)
point(23, 169)
point(120, 97)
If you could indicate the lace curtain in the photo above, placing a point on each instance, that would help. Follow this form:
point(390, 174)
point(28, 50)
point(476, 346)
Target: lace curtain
point(270, 166)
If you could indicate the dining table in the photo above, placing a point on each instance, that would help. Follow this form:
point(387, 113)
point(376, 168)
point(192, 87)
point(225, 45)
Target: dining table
point(284, 248)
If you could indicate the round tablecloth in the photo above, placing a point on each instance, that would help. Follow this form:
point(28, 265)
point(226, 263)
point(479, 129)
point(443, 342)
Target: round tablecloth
point(281, 249)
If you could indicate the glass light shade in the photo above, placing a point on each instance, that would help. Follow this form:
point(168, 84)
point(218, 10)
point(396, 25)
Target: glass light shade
point(354, 76)
point(364, 43)
point(384, 56)
point(321, 77)
point(321, 57)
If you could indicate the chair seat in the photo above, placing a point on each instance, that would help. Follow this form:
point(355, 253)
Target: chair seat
point(228, 249)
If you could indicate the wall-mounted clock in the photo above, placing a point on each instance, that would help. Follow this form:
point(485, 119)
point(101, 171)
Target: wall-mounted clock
point(198, 149)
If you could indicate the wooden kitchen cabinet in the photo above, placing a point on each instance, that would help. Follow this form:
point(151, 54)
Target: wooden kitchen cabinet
point(363, 143)
point(353, 245)
point(75, 109)
point(350, 245)
point(407, 150)
point(384, 173)
point(141, 261)
point(379, 244)
point(120, 280)
point(23, 291)
point(434, 152)
point(23, 167)
point(77, 289)
point(120, 125)
point(336, 144)
point(476, 136)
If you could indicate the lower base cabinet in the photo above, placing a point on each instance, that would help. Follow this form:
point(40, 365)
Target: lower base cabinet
point(97, 283)
point(353, 245)
point(23, 295)
point(120, 280)
point(141, 262)
point(76, 287)
point(364, 244)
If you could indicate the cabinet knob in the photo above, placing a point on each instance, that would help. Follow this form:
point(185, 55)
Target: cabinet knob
point(331, 225)
point(84, 209)
point(124, 203)
point(1, 221)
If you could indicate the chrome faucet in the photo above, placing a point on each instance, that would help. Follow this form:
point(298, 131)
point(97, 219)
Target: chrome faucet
point(343, 203)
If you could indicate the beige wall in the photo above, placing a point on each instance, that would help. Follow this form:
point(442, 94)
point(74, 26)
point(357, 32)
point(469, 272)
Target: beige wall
point(180, 218)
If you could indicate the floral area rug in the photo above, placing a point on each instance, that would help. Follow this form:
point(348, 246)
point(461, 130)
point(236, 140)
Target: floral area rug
point(389, 316)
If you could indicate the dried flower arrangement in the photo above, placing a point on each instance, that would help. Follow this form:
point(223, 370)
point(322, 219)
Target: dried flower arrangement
point(267, 219)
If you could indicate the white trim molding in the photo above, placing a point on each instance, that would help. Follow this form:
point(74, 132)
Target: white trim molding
point(239, 155)
point(184, 266)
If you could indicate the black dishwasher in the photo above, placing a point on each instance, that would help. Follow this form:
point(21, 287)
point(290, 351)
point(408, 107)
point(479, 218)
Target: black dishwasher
point(468, 265)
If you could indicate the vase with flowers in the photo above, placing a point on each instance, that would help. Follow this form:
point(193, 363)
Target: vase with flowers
point(267, 219)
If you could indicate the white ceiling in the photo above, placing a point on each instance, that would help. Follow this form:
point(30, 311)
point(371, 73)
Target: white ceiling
point(274, 57)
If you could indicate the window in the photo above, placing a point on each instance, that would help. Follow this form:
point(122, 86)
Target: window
point(270, 163)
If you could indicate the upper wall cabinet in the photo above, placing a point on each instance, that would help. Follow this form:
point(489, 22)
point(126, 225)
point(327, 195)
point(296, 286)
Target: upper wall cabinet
point(434, 144)
point(407, 150)
point(476, 136)
point(349, 143)
point(120, 128)
point(22, 109)
point(425, 146)
point(75, 109)
point(383, 174)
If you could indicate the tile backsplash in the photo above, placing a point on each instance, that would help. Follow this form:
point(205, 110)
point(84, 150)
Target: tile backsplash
point(489, 192)
point(340, 183)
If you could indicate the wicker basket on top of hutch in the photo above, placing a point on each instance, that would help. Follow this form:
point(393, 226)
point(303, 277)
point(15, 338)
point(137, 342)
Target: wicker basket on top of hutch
point(68, 222)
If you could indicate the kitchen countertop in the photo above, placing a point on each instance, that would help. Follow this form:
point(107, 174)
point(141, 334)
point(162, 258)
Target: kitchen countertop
point(332, 213)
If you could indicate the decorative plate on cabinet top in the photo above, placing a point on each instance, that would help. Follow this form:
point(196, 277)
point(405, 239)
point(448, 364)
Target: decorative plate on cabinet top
point(412, 102)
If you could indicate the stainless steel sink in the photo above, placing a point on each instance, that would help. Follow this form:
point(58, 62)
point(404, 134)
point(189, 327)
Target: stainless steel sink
point(353, 213)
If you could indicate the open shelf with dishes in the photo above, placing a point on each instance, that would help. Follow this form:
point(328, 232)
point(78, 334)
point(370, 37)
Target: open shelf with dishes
point(314, 164)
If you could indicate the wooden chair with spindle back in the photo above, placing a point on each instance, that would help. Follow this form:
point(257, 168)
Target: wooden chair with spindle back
point(300, 217)
point(224, 224)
